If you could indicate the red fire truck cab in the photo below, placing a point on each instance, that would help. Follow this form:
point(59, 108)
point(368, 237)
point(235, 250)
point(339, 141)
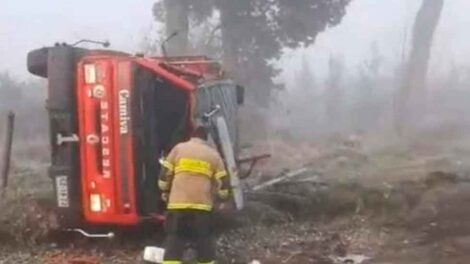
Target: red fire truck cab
point(112, 116)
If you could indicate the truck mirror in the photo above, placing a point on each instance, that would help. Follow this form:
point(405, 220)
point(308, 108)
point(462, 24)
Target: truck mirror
point(240, 94)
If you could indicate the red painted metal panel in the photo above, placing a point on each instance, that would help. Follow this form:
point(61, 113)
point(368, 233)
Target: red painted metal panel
point(106, 136)
point(106, 141)
point(153, 65)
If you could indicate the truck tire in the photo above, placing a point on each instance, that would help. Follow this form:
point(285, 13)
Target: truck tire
point(37, 62)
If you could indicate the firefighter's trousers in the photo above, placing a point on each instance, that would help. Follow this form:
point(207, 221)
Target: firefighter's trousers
point(189, 227)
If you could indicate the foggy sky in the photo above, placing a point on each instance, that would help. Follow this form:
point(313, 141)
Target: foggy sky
point(389, 23)
point(29, 24)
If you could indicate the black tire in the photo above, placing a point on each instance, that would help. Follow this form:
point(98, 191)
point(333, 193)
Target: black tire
point(37, 62)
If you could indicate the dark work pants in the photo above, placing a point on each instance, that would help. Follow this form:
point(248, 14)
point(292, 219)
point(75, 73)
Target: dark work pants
point(189, 227)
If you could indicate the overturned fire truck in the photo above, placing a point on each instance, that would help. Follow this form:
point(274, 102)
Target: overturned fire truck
point(113, 115)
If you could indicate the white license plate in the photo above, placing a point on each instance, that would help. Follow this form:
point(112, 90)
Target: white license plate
point(62, 191)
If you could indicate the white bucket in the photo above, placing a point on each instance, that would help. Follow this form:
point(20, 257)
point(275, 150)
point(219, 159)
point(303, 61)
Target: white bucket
point(154, 254)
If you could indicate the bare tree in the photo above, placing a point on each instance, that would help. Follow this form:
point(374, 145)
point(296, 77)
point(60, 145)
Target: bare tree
point(412, 94)
point(367, 107)
point(333, 92)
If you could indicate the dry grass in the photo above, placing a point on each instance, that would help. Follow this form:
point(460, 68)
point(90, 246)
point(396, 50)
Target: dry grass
point(26, 216)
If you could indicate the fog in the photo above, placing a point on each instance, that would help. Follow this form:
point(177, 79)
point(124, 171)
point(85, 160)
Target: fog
point(27, 24)
point(366, 125)
point(371, 30)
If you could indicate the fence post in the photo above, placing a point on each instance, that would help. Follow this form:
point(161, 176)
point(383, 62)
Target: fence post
point(6, 155)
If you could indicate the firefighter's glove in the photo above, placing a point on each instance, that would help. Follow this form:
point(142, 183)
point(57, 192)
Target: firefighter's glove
point(165, 196)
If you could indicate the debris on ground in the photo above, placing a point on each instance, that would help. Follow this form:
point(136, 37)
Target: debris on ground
point(350, 259)
point(344, 205)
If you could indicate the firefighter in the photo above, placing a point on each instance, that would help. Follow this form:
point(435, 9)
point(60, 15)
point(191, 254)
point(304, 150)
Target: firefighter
point(192, 180)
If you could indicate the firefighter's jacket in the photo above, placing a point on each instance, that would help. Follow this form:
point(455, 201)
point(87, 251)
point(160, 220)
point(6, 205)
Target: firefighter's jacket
point(195, 174)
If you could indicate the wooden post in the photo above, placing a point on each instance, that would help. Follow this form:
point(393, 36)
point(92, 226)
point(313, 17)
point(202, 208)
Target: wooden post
point(7, 149)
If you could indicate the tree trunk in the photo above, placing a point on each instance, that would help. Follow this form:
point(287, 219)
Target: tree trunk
point(411, 101)
point(247, 68)
point(230, 54)
point(177, 20)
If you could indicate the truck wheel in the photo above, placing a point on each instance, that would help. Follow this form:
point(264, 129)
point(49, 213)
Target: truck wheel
point(37, 62)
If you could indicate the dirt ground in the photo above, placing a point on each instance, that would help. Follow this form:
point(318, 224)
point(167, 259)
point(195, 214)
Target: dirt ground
point(354, 205)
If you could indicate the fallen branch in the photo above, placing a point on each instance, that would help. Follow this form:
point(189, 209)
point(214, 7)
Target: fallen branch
point(291, 256)
point(281, 178)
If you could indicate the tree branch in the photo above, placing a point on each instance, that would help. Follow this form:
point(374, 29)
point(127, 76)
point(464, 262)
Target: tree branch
point(212, 34)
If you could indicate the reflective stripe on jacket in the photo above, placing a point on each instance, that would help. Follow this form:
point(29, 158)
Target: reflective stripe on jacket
point(195, 173)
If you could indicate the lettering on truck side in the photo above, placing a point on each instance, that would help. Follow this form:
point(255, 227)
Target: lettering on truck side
point(62, 191)
point(124, 116)
point(105, 140)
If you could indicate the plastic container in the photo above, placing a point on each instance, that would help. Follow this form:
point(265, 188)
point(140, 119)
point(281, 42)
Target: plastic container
point(154, 254)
